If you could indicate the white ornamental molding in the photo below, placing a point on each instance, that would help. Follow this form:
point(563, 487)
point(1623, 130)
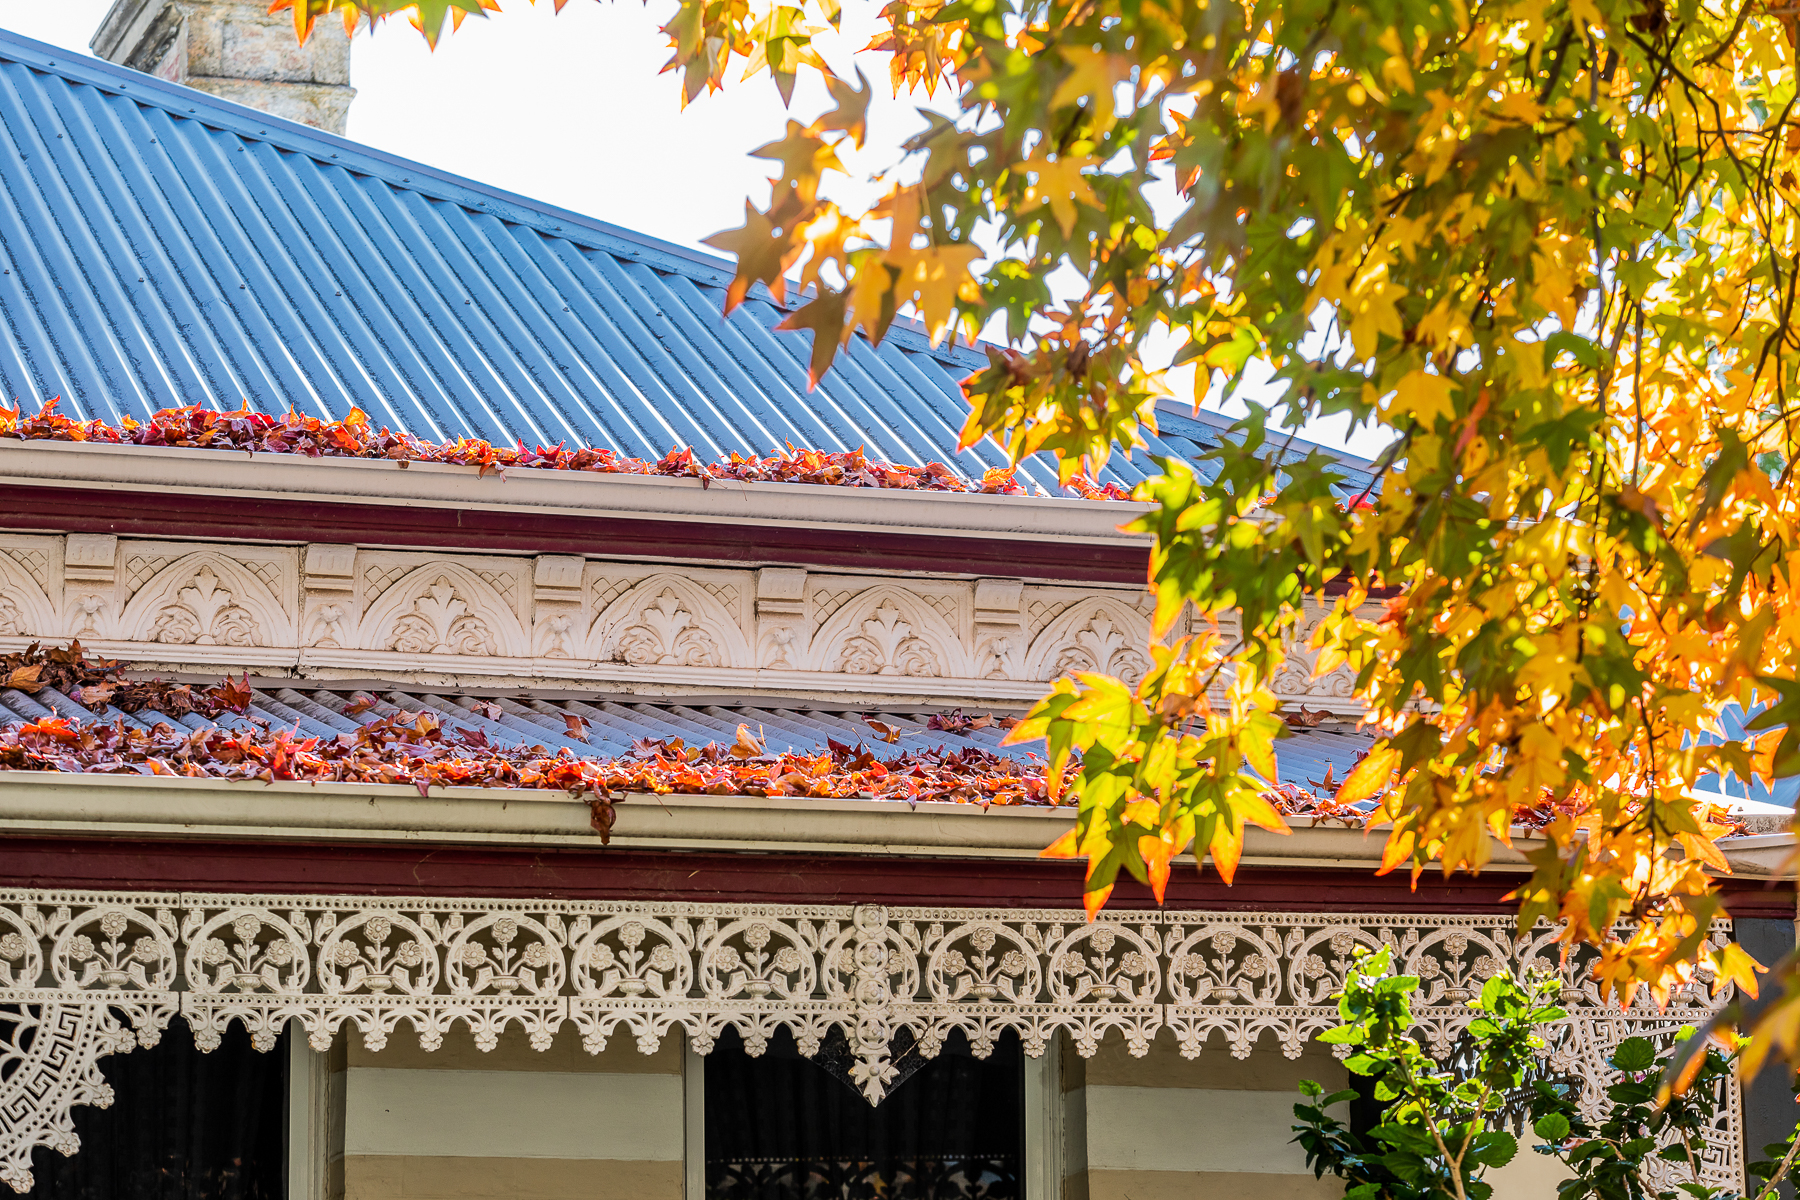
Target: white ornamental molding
point(85, 975)
point(325, 610)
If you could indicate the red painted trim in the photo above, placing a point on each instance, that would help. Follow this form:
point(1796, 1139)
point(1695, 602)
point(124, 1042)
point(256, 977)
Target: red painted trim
point(604, 874)
point(246, 518)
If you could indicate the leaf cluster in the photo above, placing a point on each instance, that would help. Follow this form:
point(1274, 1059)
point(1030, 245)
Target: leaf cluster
point(1549, 253)
point(1440, 1128)
point(1611, 1158)
point(1441, 1125)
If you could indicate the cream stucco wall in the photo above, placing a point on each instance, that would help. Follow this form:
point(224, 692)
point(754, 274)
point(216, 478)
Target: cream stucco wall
point(460, 1124)
point(1164, 1127)
point(513, 1123)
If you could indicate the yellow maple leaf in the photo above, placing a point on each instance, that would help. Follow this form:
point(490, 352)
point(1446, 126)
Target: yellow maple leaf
point(1094, 73)
point(1396, 70)
point(933, 279)
point(1058, 183)
point(1425, 396)
point(1538, 764)
point(1374, 310)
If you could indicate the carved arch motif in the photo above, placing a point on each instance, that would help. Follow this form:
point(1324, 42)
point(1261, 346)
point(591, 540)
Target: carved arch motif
point(25, 611)
point(1294, 678)
point(443, 608)
point(889, 631)
point(1098, 634)
point(206, 599)
point(668, 621)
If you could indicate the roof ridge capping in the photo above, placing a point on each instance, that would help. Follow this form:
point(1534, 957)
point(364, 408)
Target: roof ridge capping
point(328, 149)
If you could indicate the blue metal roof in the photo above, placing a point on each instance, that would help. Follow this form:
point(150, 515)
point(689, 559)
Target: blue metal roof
point(163, 247)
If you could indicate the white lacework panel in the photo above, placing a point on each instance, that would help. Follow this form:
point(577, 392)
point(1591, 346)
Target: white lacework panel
point(92, 974)
point(82, 975)
point(1590, 1040)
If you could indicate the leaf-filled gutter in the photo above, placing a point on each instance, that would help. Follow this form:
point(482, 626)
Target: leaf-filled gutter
point(194, 427)
point(418, 749)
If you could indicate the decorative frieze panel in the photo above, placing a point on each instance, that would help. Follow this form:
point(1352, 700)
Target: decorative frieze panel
point(324, 608)
point(86, 975)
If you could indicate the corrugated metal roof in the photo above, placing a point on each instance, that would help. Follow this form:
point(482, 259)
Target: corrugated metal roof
point(1730, 787)
point(1187, 434)
point(613, 725)
point(163, 247)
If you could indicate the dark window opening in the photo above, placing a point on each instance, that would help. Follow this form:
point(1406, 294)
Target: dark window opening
point(1365, 1110)
point(183, 1126)
point(783, 1127)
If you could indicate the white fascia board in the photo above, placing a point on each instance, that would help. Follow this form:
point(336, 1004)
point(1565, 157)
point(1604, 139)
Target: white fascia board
point(48, 803)
point(44, 803)
point(225, 474)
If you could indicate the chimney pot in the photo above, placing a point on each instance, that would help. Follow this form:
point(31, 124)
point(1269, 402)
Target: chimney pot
point(237, 50)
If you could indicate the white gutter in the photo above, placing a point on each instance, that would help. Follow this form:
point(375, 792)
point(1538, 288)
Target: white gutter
point(223, 474)
point(56, 804)
point(43, 803)
point(1761, 856)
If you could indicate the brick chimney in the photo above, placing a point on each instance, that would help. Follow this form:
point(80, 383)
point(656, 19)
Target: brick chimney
point(237, 50)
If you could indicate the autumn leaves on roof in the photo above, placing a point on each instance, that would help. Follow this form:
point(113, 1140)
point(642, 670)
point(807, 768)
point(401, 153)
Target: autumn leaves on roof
point(354, 437)
point(419, 749)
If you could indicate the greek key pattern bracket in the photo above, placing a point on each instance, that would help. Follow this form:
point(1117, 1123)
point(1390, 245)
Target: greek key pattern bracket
point(87, 974)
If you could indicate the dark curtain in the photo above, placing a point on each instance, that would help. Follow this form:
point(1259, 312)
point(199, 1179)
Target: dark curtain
point(782, 1127)
point(183, 1126)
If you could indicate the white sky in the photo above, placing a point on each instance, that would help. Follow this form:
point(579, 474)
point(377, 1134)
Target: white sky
point(572, 110)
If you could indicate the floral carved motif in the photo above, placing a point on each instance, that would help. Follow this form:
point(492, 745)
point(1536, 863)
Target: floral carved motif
point(556, 635)
point(203, 599)
point(442, 607)
point(441, 622)
point(205, 615)
point(1105, 636)
point(1102, 646)
point(332, 624)
point(667, 635)
point(889, 631)
point(666, 620)
point(886, 646)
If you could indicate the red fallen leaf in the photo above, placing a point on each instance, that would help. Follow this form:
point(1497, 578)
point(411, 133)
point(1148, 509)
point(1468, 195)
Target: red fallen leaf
point(955, 722)
point(359, 704)
point(234, 694)
point(887, 733)
point(577, 727)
